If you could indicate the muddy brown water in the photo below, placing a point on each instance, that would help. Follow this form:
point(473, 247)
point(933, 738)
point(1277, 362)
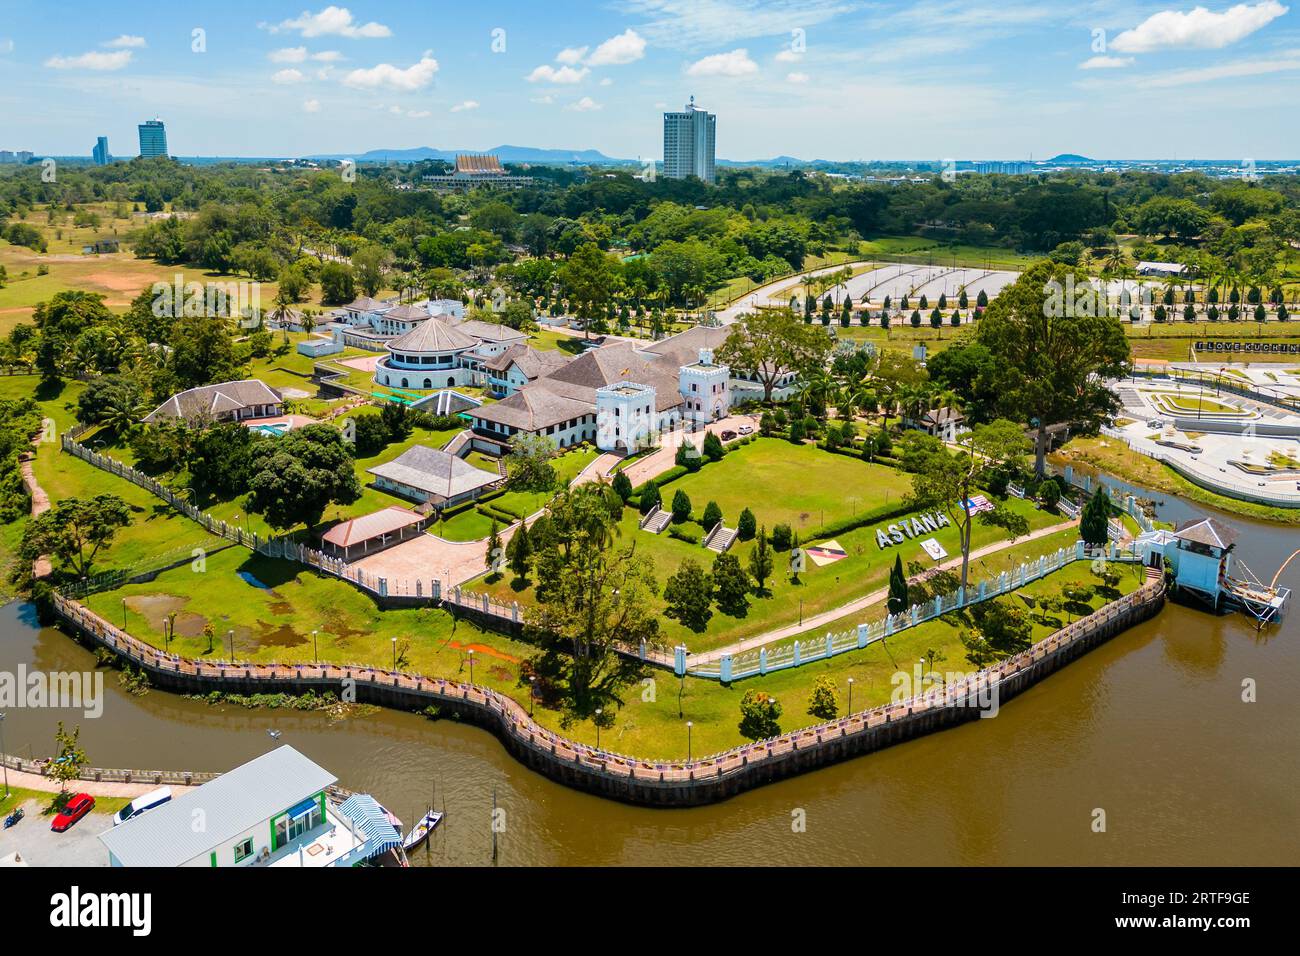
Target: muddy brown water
point(1151, 728)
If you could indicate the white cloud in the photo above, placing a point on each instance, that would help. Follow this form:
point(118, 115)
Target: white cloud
point(606, 82)
point(735, 63)
point(289, 54)
point(463, 107)
point(1224, 72)
point(311, 106)
point(1106, 63)
point(797, 77)
point(789, 56)
point(699, 24)
point(584, 105)
point(327, 56)
point(125, 41)
point(285, 77)
point(419, 114)
point(543, 100)
point(6, 45)
point(414, 77)
point(564, 75)
point(91, 61)
point(332, 21)
point(1198, 28)
point(324, 73)
point(627, 47)
point(571, 56)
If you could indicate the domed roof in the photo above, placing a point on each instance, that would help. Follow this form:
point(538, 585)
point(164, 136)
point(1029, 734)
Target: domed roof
point(431, 336)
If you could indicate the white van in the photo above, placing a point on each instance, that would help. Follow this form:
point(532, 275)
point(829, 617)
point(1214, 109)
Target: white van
point(146, 801)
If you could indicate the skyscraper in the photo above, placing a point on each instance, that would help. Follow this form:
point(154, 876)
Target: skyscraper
point(689, 143)
point(100, 152)
point(153, 139)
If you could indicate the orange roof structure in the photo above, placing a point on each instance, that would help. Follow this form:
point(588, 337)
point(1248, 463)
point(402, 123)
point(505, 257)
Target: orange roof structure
point(468, 165)
point(354, 531)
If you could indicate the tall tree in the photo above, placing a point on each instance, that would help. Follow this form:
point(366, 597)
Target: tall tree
point(770, 343)
point(1053, 359)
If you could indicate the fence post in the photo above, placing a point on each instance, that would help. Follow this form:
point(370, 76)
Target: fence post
point(830, 645)
point(796, 654)
point(862, 634)
point(762, 660)
point(679, 660)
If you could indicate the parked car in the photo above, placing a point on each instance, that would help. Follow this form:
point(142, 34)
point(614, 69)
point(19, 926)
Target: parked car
point(747, 429)
point(728, 435)
point(142, 803)
point(74, 810)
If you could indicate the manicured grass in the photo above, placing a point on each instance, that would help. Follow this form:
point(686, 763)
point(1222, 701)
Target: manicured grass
point(799, 485)
point(567, 467)
point(471, 525)
point(274, 623)
point(1113, 456)
point(864, 569)
point(104, 806)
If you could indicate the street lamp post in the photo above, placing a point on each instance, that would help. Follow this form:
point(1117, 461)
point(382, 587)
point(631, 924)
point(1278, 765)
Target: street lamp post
point(230, 636)
point(394, 653)
point(4, 755)
point(850, 713)
point(315, 654)
point(124, 614)
point(598, 710)
point(471, 665)
point(532, 694)
point(689, 725)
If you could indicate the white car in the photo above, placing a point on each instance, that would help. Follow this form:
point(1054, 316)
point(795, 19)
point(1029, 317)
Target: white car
point(746, 429)
point(142, 804)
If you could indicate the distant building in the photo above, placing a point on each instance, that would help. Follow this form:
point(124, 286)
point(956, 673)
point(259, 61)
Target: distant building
point(7, 156)
point(1161, 269)
point(100, 152)
point(153, 139)
point(689, 142)
point(478, 172)
point(1006, 169)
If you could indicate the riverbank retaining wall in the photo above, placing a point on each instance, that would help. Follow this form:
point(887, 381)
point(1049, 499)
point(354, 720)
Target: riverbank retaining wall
point(620, 777)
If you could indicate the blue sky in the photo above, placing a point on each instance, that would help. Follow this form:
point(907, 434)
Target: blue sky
point(838, 79)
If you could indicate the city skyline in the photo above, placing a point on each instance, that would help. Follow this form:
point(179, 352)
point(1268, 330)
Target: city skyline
point(831, 79)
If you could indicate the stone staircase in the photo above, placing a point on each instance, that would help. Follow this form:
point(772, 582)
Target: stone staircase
point(720, 538)
point(656, 521)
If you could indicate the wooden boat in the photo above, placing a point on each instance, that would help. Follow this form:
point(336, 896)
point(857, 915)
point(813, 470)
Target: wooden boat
point(423, 828)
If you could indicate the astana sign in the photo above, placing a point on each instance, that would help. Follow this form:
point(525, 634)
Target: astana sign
point(914, 527)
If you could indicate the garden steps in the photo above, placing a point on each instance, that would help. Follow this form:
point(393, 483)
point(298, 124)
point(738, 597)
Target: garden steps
point(720, 538)
point(656, 521)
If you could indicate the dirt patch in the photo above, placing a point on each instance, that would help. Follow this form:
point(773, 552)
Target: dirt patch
point(156, 608)
point(116, 282)
point(282, 636)
point(485, 650)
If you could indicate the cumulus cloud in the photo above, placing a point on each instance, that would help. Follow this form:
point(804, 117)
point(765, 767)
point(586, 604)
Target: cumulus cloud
point(419, 114)
point(6, 45)
point(735, 63)
point(332, 21)
point(285, 77)
point(796, 77)
point(571, 56)
point(1106, 63)
point(584, 105)
point(414, 77)
point(627, 47)
point(125, 41)
point(289, 54)
point(91, 61)
point(311, 106)
point(463, 107)
point(564, 75)
point(789, 56)
point(327, 56)
point(1198, 28)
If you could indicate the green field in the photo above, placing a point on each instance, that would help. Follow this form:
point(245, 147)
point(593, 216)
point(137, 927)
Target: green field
point(862, 571)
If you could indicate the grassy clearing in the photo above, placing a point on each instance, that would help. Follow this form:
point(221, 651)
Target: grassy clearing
point(274, 623)
point(863, 570)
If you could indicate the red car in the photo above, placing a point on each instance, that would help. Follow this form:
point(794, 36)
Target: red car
point(77, 807)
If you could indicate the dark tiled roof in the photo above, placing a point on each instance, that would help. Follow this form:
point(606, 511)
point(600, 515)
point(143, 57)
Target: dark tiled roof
point(433, 335)
point(1206, 531)
point(434, 471)
point(209, 401)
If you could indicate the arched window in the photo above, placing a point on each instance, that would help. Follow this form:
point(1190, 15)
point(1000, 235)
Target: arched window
point(428, 383)
point(451, 381)
point(404, 384)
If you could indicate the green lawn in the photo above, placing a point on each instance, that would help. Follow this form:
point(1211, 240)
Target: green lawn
point(864, 570)
point(274, 623)
point(799, 485)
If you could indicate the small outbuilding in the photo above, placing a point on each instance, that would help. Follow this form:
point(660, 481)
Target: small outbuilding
point(358, 537)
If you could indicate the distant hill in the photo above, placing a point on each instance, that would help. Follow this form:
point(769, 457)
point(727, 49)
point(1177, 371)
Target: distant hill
point(507, 154)
point(1067, 159)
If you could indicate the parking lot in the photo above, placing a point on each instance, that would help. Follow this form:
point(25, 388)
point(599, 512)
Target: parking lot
point(33, 840)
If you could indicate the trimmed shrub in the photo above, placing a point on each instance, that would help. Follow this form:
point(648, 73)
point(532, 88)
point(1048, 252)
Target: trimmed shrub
point(745, 526)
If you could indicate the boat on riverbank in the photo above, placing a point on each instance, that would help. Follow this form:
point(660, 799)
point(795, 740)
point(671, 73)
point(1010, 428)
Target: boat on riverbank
point(420, 832)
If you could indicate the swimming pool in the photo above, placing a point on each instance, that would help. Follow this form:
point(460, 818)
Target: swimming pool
point(275, 429)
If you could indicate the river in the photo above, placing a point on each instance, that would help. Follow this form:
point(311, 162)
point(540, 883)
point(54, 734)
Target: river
point(1150, 728)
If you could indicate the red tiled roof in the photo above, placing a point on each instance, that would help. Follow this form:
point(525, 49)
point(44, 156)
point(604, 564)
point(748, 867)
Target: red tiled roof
point(356, 530)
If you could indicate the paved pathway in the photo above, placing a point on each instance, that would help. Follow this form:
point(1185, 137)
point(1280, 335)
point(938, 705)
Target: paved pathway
point(41, 567)
point(21, 779)
point(864, 602)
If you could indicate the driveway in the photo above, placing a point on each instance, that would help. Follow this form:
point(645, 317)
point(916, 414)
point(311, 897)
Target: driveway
point(656, 463)
point(37, 845)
